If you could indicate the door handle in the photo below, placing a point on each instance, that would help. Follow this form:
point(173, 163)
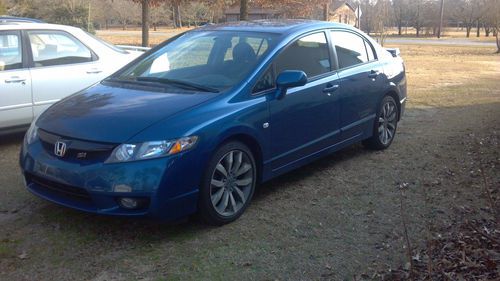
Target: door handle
point(374, 74)
point(15, 79)
point(331, 88)
point(94, 71)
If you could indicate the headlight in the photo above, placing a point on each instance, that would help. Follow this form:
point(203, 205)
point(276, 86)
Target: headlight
point(31, 134)
point(152, 149)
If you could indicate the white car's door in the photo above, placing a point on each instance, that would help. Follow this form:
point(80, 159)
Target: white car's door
point(16, 106)
point(62, 65)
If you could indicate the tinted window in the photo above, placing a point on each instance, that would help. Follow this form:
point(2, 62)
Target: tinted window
point(57, 48)
point(265, 82)
point(10, 51)
point(309, 54)
point(350, 48)
point(218, 59)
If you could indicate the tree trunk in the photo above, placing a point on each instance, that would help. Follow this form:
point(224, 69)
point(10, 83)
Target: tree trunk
point(326, 12)
point(498, 40)
point(178, 14)
point(487, 31)
point(243, 9)
point(174, 21)
point(478, 30)
point(400, 27)
point(145, 23)
point(467, 30)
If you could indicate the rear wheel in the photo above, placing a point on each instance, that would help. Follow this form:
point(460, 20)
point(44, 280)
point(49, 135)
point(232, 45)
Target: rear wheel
point(385, 125)
point(228, 184)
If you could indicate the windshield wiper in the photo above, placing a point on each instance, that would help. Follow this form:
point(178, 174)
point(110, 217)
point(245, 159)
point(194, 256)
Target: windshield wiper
point(181, 83)
point(123, 81)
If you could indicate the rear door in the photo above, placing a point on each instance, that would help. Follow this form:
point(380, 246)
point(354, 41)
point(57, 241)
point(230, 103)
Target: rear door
point(15, 82)
point(61, 65)
point(362, 84)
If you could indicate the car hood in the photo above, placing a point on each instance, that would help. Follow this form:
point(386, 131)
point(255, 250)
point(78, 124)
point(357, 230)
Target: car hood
point(111, 114)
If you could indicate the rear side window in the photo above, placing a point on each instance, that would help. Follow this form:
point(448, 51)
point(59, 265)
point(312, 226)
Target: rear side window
point(309, 54)
point(10, 51)
point(57, 48)
point(350, 48)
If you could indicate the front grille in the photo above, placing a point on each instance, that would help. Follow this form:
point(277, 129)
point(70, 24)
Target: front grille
point(77, 150)
point(59, 189)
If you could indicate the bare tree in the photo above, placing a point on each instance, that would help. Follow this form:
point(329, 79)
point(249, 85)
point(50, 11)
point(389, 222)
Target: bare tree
point(492, 18)
point(467, 11)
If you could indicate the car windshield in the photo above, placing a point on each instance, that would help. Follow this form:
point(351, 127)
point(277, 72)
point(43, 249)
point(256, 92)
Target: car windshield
point(202, 60)
point(107, 44)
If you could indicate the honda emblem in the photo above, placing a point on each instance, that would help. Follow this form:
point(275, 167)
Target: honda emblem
point(60, 148)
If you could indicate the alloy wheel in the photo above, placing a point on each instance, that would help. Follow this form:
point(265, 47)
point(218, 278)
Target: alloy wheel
point(231, 183)
point(387, 122)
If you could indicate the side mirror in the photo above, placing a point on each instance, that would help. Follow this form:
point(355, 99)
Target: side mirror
point(289, 79)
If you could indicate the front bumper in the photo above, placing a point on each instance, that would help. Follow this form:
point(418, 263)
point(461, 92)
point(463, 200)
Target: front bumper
point(96, 187)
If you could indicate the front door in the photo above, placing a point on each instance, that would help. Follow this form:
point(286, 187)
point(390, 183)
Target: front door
point(15, 82)
point(306, 120)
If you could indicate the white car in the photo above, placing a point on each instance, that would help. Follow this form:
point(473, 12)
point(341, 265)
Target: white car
point(42, 63)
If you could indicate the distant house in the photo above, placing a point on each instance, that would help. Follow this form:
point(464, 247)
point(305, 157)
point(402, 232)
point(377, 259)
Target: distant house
point(343, 12)
point(254, 13)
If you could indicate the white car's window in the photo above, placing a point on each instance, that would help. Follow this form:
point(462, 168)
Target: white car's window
point(10, 51)
point(350, 48)
point(57, 48)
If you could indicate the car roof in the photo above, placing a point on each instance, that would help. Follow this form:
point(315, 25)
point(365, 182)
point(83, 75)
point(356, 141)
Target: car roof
point(4, 19)
point(29, 25)
point(281, 26)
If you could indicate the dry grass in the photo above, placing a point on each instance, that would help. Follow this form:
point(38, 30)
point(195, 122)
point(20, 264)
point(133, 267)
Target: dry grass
point(133, 36)
point(451, 75)
point(451, 32)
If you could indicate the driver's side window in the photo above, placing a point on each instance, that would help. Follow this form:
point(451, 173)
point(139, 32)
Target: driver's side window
point(310, 54)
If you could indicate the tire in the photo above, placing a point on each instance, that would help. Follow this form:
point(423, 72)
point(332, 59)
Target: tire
point(385, 125)
point(228, 184)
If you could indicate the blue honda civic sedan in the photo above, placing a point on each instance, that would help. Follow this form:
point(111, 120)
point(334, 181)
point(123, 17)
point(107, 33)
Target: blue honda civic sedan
point(193, 125)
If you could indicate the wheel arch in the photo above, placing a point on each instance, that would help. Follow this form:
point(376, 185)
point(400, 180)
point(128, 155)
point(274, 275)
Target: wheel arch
point(252, 143)
point(392, 93)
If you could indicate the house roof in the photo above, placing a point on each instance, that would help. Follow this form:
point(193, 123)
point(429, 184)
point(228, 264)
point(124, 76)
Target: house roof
point(337, 4)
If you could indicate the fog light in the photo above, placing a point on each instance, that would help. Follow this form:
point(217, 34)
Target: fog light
point(122, 188)
point(129, 203)
point(133, 203)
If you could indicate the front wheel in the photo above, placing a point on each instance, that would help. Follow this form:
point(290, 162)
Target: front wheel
point(385, 125)
point(228, 184)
